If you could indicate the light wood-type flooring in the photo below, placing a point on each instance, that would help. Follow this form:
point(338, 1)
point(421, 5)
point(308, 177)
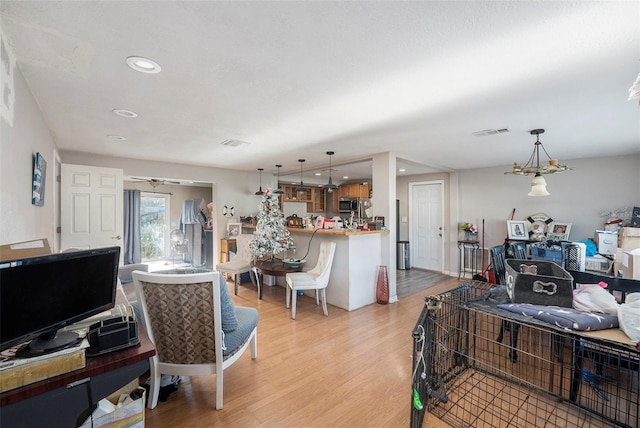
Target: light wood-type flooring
point(351, 369)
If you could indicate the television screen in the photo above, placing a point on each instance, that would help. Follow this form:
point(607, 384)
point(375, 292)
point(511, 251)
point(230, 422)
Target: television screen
point(40, 295)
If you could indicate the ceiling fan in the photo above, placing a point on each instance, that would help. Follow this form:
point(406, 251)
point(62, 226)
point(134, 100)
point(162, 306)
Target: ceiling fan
point(155, 182)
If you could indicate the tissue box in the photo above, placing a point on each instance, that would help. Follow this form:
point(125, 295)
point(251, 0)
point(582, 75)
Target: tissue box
point(551, 285)
point(607, 242)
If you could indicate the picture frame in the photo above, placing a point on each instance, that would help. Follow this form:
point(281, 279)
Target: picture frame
point(517, 230)
point(234, 229)
point(39, 180)
point(559, 231)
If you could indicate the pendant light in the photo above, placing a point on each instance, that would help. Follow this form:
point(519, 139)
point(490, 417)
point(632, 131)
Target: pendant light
point(330, 187)
point(260, 192)
point(533, 167)
point(301, 188)
point(278, 190)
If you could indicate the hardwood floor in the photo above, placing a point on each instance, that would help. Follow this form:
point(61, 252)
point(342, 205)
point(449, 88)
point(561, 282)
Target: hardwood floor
point(351, 369)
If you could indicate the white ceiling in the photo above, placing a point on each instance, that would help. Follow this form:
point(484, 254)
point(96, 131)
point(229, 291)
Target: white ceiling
point(298, 78)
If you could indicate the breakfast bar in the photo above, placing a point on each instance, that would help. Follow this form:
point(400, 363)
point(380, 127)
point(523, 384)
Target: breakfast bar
point(352, 283)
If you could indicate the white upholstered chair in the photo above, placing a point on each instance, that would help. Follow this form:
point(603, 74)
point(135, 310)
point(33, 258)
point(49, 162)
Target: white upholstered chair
point(194, 326)
point(316, 279)
point(241, 263)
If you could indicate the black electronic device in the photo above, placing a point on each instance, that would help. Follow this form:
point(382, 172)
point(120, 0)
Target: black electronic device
point(40, 295)
point(111, 335)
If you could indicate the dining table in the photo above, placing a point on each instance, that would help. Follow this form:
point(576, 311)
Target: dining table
point(275, 267)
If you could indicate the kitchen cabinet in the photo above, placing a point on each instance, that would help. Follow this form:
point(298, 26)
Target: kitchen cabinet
point(355, 190)
point(315, 198)
point(319, 203)
point(291, 195)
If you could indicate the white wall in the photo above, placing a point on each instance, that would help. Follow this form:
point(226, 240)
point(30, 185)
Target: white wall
point(19, 142)
point(578, 197)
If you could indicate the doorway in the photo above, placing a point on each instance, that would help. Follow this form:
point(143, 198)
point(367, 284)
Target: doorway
point(426, 206)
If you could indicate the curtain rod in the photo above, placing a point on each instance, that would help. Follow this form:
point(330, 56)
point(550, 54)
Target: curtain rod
point(146, 191)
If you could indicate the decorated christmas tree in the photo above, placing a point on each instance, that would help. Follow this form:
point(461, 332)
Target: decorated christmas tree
point(271, 237)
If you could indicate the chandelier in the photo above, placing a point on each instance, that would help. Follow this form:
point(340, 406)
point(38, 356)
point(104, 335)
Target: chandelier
point(533, 167)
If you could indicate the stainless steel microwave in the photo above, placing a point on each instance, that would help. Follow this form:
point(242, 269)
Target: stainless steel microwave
point(346, 205)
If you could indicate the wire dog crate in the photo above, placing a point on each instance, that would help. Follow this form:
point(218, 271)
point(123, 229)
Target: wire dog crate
point(535, 375)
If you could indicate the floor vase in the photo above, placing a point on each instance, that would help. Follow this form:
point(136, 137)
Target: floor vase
point(382, 286)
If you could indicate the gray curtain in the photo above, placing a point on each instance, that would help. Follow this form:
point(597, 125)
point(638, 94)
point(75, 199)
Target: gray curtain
point(132, 253)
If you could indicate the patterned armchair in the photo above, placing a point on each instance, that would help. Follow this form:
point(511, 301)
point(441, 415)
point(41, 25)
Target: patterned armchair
point(195, 327)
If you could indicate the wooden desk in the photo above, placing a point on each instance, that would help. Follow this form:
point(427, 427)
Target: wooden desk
point(51, 402)
point(276, 268)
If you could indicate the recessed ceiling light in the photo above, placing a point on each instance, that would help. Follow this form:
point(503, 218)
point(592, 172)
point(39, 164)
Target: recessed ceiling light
point(318, 173)
point(402, 170)
point(143, 65)
point(116, 137)
point(345, 177)
point(124, 113)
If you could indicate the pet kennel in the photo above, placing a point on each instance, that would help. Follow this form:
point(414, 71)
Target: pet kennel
point(543, 376)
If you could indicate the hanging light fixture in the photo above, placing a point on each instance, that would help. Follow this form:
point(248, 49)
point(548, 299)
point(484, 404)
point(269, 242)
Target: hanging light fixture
point(533, 167)
point(301, 188)
point(260, 192)
point(278, 190)
point(330, 187)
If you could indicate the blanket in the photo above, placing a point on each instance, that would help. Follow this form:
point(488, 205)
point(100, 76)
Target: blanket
point(564, 317)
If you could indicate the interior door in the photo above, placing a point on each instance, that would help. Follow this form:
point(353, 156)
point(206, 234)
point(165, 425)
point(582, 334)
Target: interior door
point(427, 243)
point(91, 207)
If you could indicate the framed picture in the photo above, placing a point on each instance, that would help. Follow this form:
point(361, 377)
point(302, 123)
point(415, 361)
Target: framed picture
point(517, 229)
point(234, 229)
point(559, 231)
point(39, 180)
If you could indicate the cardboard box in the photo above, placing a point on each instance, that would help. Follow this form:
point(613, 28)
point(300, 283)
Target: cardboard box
point(629, 238)
point(23, 250)
point(631, 264)
point(130, 415)
point(607, 242)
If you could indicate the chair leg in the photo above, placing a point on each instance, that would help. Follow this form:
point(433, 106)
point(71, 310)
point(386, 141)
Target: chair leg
point(254, 346)
point(324, 302)
point(294, 294)
point(235, 282)
point(288, 294)
point(154, 384)
point(317, 294)
point(219, 386)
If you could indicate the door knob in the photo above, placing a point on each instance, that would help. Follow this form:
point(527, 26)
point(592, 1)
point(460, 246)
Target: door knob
point(440, 228)
point(117, 237)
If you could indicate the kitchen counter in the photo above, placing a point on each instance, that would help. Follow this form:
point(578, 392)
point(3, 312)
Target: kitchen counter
point(325, 231)
point(352, 283)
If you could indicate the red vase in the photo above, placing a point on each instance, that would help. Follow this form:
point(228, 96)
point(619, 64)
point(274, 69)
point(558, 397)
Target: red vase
point(382, 286)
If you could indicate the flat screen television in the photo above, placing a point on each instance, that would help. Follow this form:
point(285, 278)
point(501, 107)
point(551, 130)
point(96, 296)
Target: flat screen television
point(41, 295)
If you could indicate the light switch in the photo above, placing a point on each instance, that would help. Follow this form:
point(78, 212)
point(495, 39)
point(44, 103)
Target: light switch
point(404, 219)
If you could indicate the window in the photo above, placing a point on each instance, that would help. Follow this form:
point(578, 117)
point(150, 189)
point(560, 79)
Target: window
point(154, 226)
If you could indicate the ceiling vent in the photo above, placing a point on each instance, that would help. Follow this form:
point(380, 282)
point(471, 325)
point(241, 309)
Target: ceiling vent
point(234, 143)
point(486, 132)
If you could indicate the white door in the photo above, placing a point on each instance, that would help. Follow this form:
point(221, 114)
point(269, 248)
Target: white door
point(91, 207)
point(427, 243)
